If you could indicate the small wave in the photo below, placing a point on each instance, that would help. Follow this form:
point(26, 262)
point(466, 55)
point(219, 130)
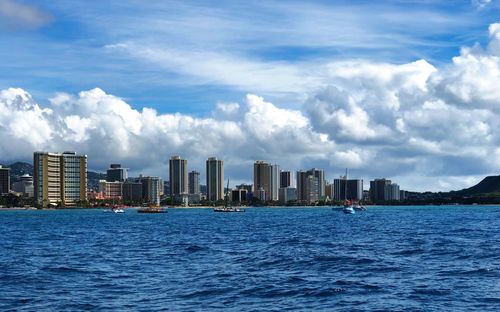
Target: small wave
point(195, 248)
point(432, 292)
point(64, 269)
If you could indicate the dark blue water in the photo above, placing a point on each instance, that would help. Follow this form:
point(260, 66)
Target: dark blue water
point(388, 258)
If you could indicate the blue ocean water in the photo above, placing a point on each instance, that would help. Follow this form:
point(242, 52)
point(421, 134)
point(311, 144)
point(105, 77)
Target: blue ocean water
point(266, 259)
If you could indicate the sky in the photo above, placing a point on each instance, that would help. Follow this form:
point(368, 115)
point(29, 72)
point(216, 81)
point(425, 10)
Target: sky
point(406, 90)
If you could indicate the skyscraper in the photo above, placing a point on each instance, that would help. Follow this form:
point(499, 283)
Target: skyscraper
point(285, 178)
point(267, 177)
point(274, 182)
point(377, 189)
point(215, 179)
point(178, 176)
point(194, 182)
point(320, 175)
point(4, 180)
point(116, 173)
point(391, 192)
point(354, 189)
point(301, 185)
point(151, 190)
point(261, 179)
point(59, 178)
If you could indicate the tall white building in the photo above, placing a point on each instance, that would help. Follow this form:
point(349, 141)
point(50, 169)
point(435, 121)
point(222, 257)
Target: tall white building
point(391, 192)
point(274, 182)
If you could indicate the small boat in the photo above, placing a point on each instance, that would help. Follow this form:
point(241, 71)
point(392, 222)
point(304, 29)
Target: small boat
point(359, 207)
point(118, 210)
point(152, 210)
point(348, 206)
point(226, 207)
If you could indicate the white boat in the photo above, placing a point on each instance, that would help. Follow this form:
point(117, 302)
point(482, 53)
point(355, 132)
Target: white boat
point(118, 210)
point(348, 206)
point(227, 207)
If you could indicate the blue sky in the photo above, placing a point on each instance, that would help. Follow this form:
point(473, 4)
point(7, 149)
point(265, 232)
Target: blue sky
point(401, 89)
point(67, 51)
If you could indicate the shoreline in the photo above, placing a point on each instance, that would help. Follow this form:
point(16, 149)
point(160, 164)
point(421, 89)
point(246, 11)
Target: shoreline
point(245, 207)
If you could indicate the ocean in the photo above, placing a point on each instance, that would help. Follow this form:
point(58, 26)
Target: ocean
point(267, 259)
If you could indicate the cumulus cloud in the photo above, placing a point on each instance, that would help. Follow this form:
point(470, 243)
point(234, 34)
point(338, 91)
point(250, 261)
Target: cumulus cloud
point(15, 15)
point(109, 130)
point(419, 124)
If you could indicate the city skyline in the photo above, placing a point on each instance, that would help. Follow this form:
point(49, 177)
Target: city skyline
point(411, 95)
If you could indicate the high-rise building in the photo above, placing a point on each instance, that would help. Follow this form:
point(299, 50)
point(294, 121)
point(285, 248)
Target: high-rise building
point(24, 185)
point(377, 189)
point(320, 175)
point(215, 179)
point(111, 190)
point(59, 178)
point(329, 190)
point(116, 173)
point(132, 191)
point(285, 178)
point(274, 183)
point(391, 192)
point(267, 177)
point(178, 174)
point(301, 185)
point(312, 189)
point(238, 195)
point(151, 190)
point(4, 180)
point(354, 189)
point(261, 179)
point(309, 185)
point(287, 194)
point(194, 182)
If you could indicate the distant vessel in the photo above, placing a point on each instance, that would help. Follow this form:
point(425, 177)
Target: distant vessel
point(151, 209)
point(348, 207)
point(227, 207)
point(118, 210)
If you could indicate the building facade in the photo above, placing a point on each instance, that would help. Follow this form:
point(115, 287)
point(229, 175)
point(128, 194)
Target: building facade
point(178, 176)
point(285, 178)
point(287, 194)
point(4, 180)
point(320, 176)
point(151, 190)
point(116, 173)
point(59, 178)
point(274, 183)
point(354, 189)
point(111, 190)
point(238, 195)
point(377, 189)
point(24, 185)
point(194, 182)
point(132, 191)
point(215, 179)
point(261, 179)
point(392, 192)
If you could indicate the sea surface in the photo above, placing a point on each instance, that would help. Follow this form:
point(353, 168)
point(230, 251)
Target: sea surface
point(267, 259)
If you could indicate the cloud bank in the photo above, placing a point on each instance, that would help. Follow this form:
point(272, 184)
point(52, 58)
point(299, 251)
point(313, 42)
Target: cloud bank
point(425, 127)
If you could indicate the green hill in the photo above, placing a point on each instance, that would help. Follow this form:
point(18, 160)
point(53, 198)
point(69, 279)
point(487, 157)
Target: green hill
point(488, 185)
